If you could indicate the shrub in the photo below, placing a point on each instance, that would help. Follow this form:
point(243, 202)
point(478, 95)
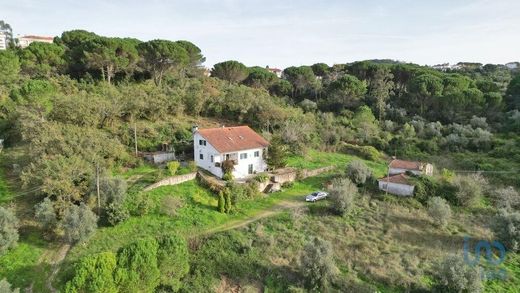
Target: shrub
point(173, 166)
point(227, 176)
point(79, 223)
point(288, 184)
point(262, 177)
point(507, 229)
point(170, 205)
point(366, 152)
point(342, 195)
point(507, 198)
point(172, 261)
point(94, 273)
point(358, 172)
point(439, 210)
point(144, 205)
point(45, 214)
point(317, 264)
point(227, 200)
point(5, 287)
point(454, 275)
point(8, 230)
point(221, 202)
point(192, 166)
point(117, 213)
point(469, 189)
point(137, 266)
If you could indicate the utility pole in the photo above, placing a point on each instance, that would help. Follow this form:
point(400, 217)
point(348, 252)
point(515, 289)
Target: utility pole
point(97, 188)
point(135, 137)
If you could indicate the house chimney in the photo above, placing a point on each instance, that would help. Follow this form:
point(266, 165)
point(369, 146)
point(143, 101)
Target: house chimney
point(194, 128)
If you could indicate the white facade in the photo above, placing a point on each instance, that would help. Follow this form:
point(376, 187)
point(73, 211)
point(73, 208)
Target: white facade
point(247, 162)
point(25, 41)
point(427, 169)
point(3, 41)
point(396, 188)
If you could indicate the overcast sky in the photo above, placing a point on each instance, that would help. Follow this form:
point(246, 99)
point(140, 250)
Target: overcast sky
point(282, 33)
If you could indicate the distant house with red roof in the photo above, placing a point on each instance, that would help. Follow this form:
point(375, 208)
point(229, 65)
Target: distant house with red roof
point(276, 71)
point(397, 184)
point(25, 41)
point(240, 144)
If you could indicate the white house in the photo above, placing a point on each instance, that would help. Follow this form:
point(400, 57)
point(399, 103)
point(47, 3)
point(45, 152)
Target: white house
point(242, 145)
point(275, 70)
point(513, 65)
point(396, 184)
point(25, 41)
point(417, 168)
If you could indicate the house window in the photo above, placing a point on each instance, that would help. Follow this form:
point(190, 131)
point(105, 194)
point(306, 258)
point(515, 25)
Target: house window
point(202, 142)
point(257, 154)
point(250, 169)
point(201, 156)
point(211, 158)
point(243, 156)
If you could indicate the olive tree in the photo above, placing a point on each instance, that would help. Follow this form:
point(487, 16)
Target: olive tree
point(439, 210)
point(507, 229)
point(358, 172)
point(469, 189)
point(8, 230)
point(342, 195)
point(454, 275)
point(317, 264)
point(79, 223)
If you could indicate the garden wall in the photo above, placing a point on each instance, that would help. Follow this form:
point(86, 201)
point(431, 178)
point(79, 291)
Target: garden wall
point(174, 180)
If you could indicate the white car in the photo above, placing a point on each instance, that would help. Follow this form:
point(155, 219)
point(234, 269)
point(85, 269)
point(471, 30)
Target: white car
point(316, 196)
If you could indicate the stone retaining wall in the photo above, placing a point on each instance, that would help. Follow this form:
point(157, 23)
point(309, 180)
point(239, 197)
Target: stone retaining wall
point(174, 180)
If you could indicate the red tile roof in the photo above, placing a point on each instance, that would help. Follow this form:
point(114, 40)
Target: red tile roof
point(38, 38)
point(399, 179)
point(409, 165)
point(274, 69)
point(232, 139)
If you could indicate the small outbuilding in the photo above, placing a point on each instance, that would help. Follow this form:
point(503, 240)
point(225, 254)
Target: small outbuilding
point(397, 184)
point(417, 168)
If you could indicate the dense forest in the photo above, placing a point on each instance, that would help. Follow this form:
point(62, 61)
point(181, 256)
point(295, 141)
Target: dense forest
point(68, 112)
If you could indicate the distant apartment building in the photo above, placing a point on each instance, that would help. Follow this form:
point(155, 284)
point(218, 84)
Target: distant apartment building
point(442, 67)
point(25, 41)
point(3, 41)
point(276, 71)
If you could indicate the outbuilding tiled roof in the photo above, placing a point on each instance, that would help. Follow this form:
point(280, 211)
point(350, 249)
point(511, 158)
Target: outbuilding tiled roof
point(399, 179)
point(408, 165)
point(232, 139)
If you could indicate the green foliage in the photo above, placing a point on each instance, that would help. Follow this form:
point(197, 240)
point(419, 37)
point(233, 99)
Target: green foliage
point(317, 264)
point(261, 177)
point(117, 213)
point(346, 92)
point(228, 176)
point(358, 172)
point(439, 210)
point(79, 223)
point(173, 166)
point(45, 214)
point(8, 230)
point(470, 189)
point(170, 205)
point(172, 261)
point(221, 202)
point(454, 275)
point(42, 59)
point(506, 227)
point(5, 287)
point(512, 94)
point(94, 273)
point(366, 152)
point(277, 154)
point(260, 78)
point(343, 194)
point(227, 200)
point(161, 57)
point(231, 71)
point(137, 268)
point(10, 67)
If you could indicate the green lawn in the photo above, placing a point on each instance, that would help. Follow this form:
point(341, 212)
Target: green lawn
point(198, 215)
point(315, 159)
